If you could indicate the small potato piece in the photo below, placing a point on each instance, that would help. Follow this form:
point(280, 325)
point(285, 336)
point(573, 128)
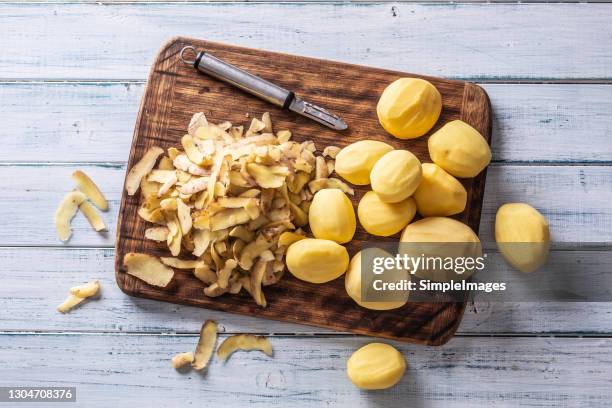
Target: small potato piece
point(182, 359)
point(148, 268)
point(244, 342)
point(396, 175)
point(317, 260)
point(522, 235)
point(376, 366)
point(459, 149)
point(439, 193)
point(206, 345)
point(409, 107)
point(141, 169)
point(90, 212)
point(355, 162)
point(65, 212)
point(90, 189)
point(87, 290)
point(384, 219)
point(331, 216)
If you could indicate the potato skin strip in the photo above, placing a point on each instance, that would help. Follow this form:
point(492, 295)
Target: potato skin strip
point(65, 212)
point(141, 169)
point(243, 342)
point(148, 269)
point(206, 345)
point(86, 185)
point(181, 360)
point(78, 294)
point(90, 212)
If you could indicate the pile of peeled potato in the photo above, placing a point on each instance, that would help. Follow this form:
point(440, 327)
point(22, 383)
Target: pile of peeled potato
point(402, 186)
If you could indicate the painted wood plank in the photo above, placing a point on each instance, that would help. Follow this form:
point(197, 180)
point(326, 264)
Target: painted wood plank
point(93, 122)
point(471, 41)
point(36, 280)
point(132, 370)
point(575, 199)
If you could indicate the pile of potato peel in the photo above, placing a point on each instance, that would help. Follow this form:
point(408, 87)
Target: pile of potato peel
point(227, 203)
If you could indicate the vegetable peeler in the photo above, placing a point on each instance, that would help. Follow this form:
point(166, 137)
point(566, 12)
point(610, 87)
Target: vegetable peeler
point(259, 87)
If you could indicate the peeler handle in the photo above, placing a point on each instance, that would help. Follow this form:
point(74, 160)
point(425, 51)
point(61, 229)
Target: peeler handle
point(250, 83)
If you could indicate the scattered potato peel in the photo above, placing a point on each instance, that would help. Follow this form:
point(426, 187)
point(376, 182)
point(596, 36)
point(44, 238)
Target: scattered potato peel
point(90, 212)
point(66, 211)
point(244, 342)
point(182, 359)
point(148, 268)
point(206, 345)
point(90, 189)
point(141, 169)
point(78, 294)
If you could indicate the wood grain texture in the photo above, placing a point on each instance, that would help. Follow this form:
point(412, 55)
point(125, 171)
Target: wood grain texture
point(529, 41)
point(93, 122)
point(176, 91)
point(31, 290)
point(575, 199)
point(132, 370)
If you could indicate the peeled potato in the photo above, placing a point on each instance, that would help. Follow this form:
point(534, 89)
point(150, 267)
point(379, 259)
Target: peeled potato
point(353, 281)
point(439, 193)
point(459, 149)
point(317, 260)
point(409, 107)
point(384, 219)
point(354, 162)
point(523, 236)
point(376, 366)
point(396, 176)
point(331, 216)
point(440, 237)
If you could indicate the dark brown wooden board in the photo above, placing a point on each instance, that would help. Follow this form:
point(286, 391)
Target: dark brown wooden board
point(175, 91)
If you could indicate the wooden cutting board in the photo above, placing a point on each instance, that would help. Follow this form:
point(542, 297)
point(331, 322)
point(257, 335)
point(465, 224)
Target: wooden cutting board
point(175, 91)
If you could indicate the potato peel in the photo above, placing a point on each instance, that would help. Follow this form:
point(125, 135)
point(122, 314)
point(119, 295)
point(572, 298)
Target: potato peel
point(78, 294)
point(206, 345)
point(86, 185)
point(65, 212)
point(148, 269)
point(90, 212)
point(243, 342)
point(182, 359)
point(141, 169)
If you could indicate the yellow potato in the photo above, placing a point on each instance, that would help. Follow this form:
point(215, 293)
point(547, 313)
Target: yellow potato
point(331, 216)
point(354, 162)
point(384, 219)
point(317, 260)
point(353, 282)
point(439, 193)
point(376, 366)
point(396, 176)
point(409, 107)
point(440, 237)
point(522, 235)
point(459, 149)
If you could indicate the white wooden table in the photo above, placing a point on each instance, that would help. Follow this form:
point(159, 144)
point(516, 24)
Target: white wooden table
point(71, 77)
